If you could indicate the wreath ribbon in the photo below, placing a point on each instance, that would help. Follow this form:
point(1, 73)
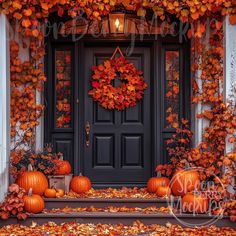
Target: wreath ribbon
point(115, 52)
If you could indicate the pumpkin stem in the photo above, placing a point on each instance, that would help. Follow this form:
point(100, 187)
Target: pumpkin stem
point(187, 166)
point(158, 174)
point(30, 167)
point(61, 157)
point(80, 174)
point(195, 192)
point(30, 193)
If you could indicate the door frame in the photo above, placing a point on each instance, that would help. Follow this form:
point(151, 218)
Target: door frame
point(88, 46)
point(157, 45)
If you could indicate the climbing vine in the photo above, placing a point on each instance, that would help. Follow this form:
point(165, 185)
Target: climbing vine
point(207, 91)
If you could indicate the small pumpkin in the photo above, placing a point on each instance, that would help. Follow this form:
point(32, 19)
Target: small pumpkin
point(60, 192)
point(33, 203)
point(163, 191)
point(185, 181)
point(33, 179)
point(63, 167)
point(50, 193)
point(195, 203)
point(154, 182)
point(80, 184)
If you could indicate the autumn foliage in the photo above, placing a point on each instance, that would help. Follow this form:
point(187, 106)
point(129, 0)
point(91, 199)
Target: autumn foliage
point(127, 94)
point(13, 204)
point(26, 81)
point(27, 77)
point(219, 116)
point(45, 161)
point(137, 228)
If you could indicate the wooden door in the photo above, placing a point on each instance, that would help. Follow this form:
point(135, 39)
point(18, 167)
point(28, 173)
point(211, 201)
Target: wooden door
point(119, 152)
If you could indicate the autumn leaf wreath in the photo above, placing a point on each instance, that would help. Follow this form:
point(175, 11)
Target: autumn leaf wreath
point(127, 94)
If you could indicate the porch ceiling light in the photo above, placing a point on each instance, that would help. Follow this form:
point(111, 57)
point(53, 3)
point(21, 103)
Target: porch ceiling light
point(117, 23)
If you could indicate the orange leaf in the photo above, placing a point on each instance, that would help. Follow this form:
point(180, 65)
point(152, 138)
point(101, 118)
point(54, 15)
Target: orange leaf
point(232, 19)
point(219, 25)
point(195, 15)
point(35, 33)
point(26, 23)
point(141, 12)
point(17, 15)
point(27, 12)
point(16, 5)
point(44, 6)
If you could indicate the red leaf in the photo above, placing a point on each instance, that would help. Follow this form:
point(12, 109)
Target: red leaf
point(22, 216)
point(14, 188)
point(60, 11)
point(4, 215)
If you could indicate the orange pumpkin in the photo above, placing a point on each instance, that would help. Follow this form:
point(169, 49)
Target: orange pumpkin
point(80, 184)
point(194, 202)
point(163, 191)
point(62, 167)
point(33, 203)
point(50, 193)
point(33, 179)
point(60, 192)
point(184, 181)
point(154, 182)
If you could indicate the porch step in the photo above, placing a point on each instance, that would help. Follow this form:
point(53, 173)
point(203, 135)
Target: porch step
point(123, 218)
point(51, 203)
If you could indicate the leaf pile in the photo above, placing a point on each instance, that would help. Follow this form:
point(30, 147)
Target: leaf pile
point(110, 209)
point(111, 193)
point(111, 230)
point(13, 204)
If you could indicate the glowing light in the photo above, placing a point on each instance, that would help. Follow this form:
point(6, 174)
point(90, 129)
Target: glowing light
point(117, 23)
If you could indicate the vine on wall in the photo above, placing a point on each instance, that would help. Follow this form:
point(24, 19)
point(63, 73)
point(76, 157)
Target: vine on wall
point(26, 79)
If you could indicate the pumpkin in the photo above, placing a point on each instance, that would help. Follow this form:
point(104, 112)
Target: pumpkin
point(62, 167)
point(195, 203)
point(163, 191)
point(50, 193)
point(80, 184)
point(155, 182)
point(60, 192)
point(33, 179)
point(33, 203)
point(185, 181)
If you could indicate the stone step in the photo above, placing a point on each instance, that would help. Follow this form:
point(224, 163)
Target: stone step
point(51, 203)
point(185, 220)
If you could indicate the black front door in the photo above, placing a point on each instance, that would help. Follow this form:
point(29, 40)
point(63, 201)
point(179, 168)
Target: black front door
point(124, 147)
point(119, 148)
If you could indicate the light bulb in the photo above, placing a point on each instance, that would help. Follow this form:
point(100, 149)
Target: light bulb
point(117, 23)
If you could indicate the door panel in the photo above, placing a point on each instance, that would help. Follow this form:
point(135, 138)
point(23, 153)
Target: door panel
point(120, 141)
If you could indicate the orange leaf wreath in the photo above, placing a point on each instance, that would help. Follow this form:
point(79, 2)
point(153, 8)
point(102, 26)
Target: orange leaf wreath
point(127, 94)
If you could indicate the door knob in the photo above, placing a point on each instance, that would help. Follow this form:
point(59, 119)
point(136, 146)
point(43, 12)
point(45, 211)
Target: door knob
point(87, 134)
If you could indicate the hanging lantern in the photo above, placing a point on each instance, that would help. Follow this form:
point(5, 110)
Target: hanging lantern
point(117, 23)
